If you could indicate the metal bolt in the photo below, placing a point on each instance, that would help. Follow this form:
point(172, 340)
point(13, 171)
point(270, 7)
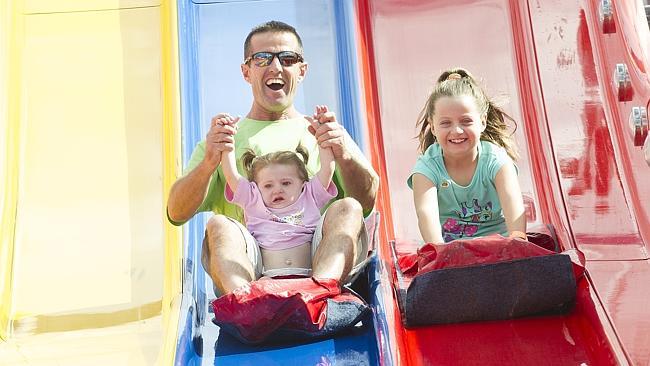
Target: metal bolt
point(639, 125)
point(623, 83)
point(606, 16)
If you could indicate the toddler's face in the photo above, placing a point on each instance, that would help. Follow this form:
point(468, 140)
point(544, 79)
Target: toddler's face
point(279, 184)
point(457, 125)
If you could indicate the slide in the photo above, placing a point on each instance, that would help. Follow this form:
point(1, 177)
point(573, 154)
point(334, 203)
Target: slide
point(558, 63)
point(102, 102)
point(89, 268)
point(211, 41)
point(553, 66)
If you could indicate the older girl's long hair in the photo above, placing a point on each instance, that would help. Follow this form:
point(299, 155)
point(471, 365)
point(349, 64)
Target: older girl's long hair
point(497, 129)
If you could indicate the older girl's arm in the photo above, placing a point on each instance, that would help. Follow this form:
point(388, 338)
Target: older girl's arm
point(512, 202)
point(425, 197)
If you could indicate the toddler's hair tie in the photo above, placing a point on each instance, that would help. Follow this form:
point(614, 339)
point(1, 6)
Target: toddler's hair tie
point(454, 76)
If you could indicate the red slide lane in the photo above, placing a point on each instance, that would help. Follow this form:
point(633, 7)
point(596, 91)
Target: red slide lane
point(577, 169)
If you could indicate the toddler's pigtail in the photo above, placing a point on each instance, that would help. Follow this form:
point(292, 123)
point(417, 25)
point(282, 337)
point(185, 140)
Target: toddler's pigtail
point(247, 159)
point(302, 153)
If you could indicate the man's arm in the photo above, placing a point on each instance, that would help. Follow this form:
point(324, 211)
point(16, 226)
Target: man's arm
point(359, 178)
point(187, 194)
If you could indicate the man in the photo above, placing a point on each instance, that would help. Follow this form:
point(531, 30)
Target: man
point(274, 67)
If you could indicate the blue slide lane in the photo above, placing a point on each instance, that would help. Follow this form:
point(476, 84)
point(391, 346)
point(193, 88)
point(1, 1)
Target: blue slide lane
point(211, 36)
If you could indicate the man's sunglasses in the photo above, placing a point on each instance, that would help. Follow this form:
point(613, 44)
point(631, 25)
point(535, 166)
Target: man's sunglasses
point(262, 59)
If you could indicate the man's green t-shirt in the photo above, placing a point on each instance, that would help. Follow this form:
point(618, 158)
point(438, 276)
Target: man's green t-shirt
point(262, 137)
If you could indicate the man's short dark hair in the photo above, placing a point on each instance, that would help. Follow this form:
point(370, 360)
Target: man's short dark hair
point(270, 26)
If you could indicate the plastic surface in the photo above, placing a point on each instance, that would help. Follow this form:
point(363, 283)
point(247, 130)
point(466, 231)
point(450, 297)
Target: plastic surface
point(211, 50)
point(87, 107)
point(555, 60)
point(579, 169)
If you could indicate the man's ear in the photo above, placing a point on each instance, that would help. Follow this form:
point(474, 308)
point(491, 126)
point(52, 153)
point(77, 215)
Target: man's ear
point(303, 71)
point(245, 71)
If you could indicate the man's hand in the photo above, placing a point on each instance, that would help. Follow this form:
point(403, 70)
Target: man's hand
point(220, 138)
point(329, 132)
point(359, 179)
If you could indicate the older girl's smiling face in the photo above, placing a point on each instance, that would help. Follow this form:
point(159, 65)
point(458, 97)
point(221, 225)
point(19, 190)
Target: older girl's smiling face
point(457, 124)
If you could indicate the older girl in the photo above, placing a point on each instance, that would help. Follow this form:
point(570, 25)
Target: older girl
point(465, 182)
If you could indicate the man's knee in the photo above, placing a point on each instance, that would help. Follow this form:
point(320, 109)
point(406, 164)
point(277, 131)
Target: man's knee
point(216, 225)
point(344, 217)
point(219, 226)
point(222, 235)
point(346, 207)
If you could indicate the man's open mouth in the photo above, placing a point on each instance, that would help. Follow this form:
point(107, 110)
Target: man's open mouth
point(275, 84)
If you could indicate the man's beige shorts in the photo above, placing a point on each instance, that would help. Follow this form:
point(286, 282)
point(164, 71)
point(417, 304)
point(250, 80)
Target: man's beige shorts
point(255, 255)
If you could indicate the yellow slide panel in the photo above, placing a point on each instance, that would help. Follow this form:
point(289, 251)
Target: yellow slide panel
point(8, 165)
point(50, 6)
point(88, 264)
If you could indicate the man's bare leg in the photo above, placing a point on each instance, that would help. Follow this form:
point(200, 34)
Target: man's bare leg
point(336, 254)
point(224, 255)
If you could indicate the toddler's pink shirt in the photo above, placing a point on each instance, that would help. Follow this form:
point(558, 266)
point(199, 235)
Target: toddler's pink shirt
point(283, 228)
